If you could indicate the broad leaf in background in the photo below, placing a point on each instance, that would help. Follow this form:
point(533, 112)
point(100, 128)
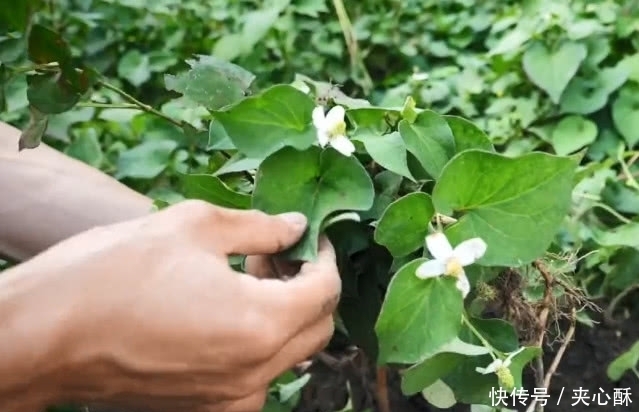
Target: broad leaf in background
point(134, 66)
point(573, 133)
point(147, 160)
point(623, 235)
point(625, 113)
point(430, 139)
point(552, 69)
point(504, 200)
point(434, 307)
point(213, 190)
point(211, 82)
point(627, 361)
point(262, 124)
point(315, 182)
point(404, 224)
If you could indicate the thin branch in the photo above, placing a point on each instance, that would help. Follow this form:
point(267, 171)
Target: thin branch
point(610, 310)
point(557, 359)
point(383, 401)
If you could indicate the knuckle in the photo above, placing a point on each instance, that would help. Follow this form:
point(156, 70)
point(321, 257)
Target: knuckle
point(264, 335)
point(197, 210)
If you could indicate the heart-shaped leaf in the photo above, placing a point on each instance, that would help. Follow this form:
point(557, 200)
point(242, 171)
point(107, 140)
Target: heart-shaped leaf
point(435, 306)
point(315, 182)
point(625, 113)
point(572, 133)
point(504, 200)
point(551, 70)
point(404, 224)
point(260, 125)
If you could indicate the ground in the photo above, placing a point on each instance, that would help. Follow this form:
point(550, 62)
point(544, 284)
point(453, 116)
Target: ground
point(583, 365)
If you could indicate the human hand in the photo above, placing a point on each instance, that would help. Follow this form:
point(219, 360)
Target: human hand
point(150, 316)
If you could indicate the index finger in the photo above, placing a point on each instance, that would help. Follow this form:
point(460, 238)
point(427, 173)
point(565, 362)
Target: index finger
point(311, 295)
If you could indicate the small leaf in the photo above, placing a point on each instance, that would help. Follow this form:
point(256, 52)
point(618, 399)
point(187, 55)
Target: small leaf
point(573, 133)
point(134, 67)
point(430, 139)
point(315, 182)
point(50, 93)
point(146, 160)
point(404, 224)
point(624, 235)
point(440, 395)
point(551, 70)
point(623, 363)
point(86, 147)
point(213, 190)
point(47, 46)
point(278, 117)
point(32, 134)
point(625, 113)
point(504, 200)
point(211, 82)
point(418, 316)
point(388, 150)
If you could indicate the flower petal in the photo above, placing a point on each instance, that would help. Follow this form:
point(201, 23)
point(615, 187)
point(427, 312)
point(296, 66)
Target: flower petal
point(319, 121)
point(494, 365)
point(470, 250)
point(509, 358)
point(343, 145)
point(334, 117)
point(438, 246)
point(430, 269)
point(322, 138)
point(462, 284)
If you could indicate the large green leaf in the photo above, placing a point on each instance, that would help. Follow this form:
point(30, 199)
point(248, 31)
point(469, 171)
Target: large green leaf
point(551, 70)
point(315, 182)
point(213, 190)
point(260, 125)
point(404, 224)
point(505, 201)
point(430, 139)
point(211, 82)
point(418, 316)
point(624, 235)
point(467, 135)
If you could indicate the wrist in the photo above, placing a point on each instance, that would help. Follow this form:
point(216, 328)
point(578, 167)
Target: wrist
point(35, 349)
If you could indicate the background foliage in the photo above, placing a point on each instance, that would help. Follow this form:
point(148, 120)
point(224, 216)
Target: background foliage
point(554, 76)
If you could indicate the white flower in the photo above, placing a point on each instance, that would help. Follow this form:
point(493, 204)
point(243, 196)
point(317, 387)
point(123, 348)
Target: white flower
point(449, 261)
point(498, 364)
point(331, 129)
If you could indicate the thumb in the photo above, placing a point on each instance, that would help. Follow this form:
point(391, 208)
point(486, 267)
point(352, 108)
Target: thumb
point(252, 232)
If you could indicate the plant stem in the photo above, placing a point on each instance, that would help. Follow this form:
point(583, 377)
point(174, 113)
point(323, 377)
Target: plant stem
point(109, 105)
point(138, 103)
point(383, 401)
point(480, 337)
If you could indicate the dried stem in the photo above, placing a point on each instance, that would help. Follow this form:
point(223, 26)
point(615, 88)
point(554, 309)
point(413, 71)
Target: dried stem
point(383, 401)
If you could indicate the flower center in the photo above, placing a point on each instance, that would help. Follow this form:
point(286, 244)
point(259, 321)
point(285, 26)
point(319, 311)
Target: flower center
point(453, 267)
point(338, 130)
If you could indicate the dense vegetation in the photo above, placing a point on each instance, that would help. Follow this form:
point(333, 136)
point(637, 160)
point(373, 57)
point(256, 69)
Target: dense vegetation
point(148, 95)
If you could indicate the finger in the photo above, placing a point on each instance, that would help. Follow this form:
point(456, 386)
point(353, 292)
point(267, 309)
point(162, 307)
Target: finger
point(251, 232)
point(252, 403)
point(315, 291)
point(300, 348)
point(260, 266)
point(268, 266)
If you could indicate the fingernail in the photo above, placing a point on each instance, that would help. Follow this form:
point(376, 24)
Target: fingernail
point(294, 218)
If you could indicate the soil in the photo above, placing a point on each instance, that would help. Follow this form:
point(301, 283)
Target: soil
point(583, 365)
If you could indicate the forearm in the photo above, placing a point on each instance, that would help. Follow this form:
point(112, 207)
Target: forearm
point(31, 342)
point(48, 197)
